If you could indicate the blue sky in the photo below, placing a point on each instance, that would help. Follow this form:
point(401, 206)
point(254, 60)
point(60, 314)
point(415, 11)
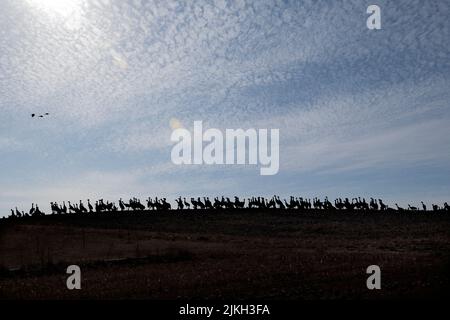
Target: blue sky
point(361, 112)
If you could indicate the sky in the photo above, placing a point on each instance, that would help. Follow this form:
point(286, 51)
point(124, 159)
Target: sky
point(361, 112)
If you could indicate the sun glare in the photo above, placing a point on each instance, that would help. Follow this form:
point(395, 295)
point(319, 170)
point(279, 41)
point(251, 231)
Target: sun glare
point(62, 8)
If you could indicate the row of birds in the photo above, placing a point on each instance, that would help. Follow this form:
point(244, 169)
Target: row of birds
point(134, 204)
point(40, 116)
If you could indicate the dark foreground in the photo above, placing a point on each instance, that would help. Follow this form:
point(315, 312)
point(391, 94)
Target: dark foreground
point(245, 254)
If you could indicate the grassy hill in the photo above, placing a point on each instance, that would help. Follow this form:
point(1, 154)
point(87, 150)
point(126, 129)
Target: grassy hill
point(239, 254)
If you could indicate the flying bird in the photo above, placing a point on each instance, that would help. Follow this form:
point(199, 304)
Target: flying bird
point(40, 116)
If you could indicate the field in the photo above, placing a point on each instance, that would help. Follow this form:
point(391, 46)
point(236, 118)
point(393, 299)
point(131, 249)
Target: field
point(241, 254)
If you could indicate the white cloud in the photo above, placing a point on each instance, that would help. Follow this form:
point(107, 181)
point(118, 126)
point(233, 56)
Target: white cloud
point(113, 83)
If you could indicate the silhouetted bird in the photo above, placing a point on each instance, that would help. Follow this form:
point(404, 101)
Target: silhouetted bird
point(382, 205)
point(40, 116)
point(187, 204)
point(38, 212)
point(180, 203)
point(424, 207)
point(91, 208)
point(31, 212)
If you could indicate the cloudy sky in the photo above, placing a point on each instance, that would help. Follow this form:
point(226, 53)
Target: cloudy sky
point(361, 112)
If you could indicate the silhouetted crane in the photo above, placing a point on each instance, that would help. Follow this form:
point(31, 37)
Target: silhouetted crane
point(424, 207)
point(294, 204)
point(187, 204)
point(91, 209)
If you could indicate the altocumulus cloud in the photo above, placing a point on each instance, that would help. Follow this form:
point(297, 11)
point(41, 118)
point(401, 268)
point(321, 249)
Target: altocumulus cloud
point(353, 105)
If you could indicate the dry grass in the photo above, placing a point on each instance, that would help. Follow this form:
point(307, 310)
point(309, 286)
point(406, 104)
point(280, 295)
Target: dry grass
point(250, 254)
